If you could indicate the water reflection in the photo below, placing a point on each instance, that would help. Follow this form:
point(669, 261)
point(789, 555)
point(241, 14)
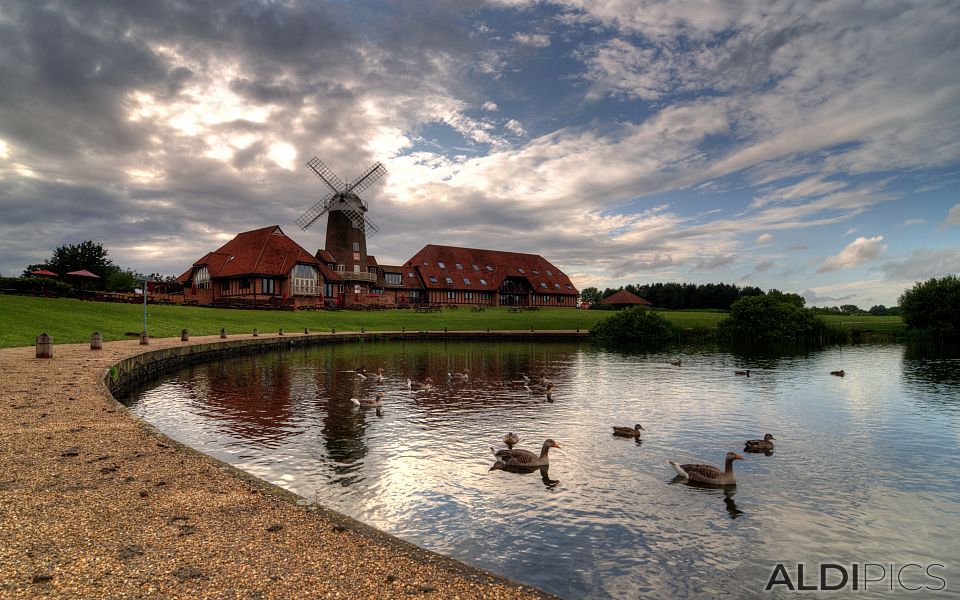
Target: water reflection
point(725, 492)
point(419, 468)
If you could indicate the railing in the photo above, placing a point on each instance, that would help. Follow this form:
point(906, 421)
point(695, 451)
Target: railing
point(351, 276)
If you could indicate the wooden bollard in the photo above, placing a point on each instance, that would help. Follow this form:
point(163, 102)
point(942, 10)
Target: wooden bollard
point(184, 335)
point(403, 329)
point(333, 329)
point(531, 329)
point(44, 346)
point(362, 329)
point(144, 338)
point(96, 341)
point(281, 331)
point(444, 328)
point(256, 332)
point(223, 333)
point(306, 331)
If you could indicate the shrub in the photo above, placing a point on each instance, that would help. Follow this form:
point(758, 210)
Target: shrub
point(633, 324)
point(933, 307)
point(32, 285)
point(765, 318)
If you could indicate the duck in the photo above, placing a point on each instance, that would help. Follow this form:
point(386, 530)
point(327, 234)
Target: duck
point(375, 402)
point(379, 376)
point(511, 439)
point(707, 474)
point(540, 379)
point(677, 363)
point(760, 445)
point(542, 390)
point(839, 373)
point(747, 372)
point(417, 385)
point(525, 458)
point(628, 431)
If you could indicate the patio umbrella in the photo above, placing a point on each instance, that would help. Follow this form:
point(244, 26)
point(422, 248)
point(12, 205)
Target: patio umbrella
point(84, 273)
point(43, 273)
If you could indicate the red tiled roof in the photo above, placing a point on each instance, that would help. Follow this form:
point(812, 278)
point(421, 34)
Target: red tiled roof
point(493, 266)
point(267, 251)
point(625, 297)
point(371, 261)
point(329, 275)
point(325, 256)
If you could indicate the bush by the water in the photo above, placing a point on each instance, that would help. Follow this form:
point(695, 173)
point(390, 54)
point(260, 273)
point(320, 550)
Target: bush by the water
point(634, 324)
point(933, 307)
point(769, 319)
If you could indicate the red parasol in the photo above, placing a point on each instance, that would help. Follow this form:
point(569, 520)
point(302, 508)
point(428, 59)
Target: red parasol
point(84, 273)
point(44, 272)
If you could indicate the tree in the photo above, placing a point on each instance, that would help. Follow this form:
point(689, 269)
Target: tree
point(933, 307)
point(878, 310)
point(88, 255)
point(849, 309)
point(770, 318)
point(590, 294)
point(795, 299)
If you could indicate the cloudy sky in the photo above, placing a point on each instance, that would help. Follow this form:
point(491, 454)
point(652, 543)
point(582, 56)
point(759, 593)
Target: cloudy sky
point(805, 145)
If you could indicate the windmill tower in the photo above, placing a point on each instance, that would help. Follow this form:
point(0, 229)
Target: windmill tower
point(347, 222)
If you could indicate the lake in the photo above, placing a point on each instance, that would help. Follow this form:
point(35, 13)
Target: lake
point(866, 468)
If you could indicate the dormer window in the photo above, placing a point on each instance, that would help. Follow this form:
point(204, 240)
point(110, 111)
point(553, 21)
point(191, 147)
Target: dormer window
point(433, 279)
point(520, 269)
point(483, 281)
point(536, 272)
point(476, 268)
point(556, 285)
point(411, 274)
point(441, 265)
point(569, 287)
point(459, 266)
point(449, 280)
point(549, 273)
point(466, 281)
point(489, 268)
point(543, 285)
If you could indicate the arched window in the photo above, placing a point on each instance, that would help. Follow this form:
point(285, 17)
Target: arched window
point(305, 281)
point(201, 278)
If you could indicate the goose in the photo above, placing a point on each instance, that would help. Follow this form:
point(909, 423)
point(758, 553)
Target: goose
point(760, 445)
point(459, 376)
point(416, 385)
point(375, 402)
point(709, 475)
point(379, 375)
point(839, 373)
point(628, 431)
point(525, 458)
point(677, 363)
point(747, 372)
point(511, 439)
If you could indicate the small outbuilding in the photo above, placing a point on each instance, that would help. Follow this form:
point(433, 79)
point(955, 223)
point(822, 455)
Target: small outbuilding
point(625, 299)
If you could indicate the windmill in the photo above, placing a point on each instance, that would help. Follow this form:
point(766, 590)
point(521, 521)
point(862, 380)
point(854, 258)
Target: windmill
point(342, 197)
point(347, 223)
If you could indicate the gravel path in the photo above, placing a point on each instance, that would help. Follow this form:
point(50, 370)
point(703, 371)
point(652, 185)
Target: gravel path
point(96, 504)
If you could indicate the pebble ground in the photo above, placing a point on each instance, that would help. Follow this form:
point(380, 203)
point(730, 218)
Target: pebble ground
point(96, 504)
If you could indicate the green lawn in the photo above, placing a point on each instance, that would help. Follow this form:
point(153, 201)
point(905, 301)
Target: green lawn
point(22, 318)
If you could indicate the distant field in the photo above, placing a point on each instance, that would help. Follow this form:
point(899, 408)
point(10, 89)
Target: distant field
point(22, 318)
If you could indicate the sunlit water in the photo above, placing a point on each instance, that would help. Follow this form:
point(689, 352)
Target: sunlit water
point(866, 467)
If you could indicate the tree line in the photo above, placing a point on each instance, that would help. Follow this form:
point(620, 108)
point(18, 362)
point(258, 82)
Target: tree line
point(94, 257)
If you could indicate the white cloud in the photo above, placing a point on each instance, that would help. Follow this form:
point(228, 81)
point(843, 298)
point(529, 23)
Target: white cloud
point(910, 222)
point(953, 215)
point(857, 252)
point(536, 40)
point(764, 265)
point(764, 238)
point(515, 127)
point(490, 106)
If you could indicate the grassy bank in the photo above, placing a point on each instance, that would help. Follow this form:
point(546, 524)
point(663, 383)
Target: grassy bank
point(22, 318)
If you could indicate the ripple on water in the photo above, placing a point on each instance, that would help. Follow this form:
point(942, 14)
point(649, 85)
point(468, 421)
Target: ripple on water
point(865, 468)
